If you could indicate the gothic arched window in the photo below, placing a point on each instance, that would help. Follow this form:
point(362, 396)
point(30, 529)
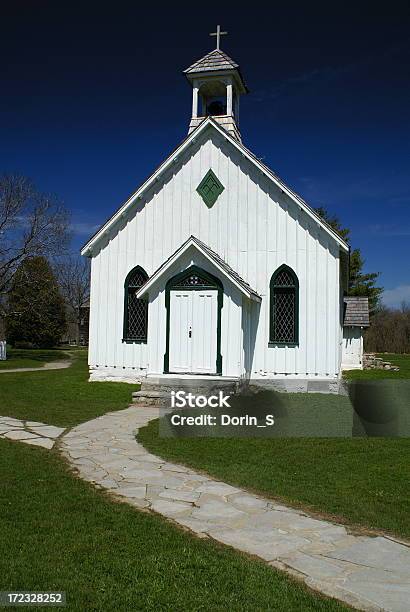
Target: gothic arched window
point(135, 310)
point(284, 307)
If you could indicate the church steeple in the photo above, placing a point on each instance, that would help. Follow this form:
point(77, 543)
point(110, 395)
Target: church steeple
point(217, 85)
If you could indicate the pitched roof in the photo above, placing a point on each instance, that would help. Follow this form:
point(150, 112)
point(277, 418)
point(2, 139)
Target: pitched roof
point(230, 271)
point(211, 255)
point(215, 60)
point(191, 138)
point(356, 311)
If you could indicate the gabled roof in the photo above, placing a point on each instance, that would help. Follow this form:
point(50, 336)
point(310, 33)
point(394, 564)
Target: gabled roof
point(356, 312)
point(173, 158)
point(215, 60)
point(213, 257)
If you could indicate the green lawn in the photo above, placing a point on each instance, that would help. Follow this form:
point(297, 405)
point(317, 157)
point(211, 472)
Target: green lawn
point(33, 358)
point(59, 533)
point(363, 482)
point(61, 397)
point(403, 361)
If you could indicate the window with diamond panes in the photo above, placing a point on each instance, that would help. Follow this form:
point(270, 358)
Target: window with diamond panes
point(136, 310)
point(284, 307)
point(210, 188)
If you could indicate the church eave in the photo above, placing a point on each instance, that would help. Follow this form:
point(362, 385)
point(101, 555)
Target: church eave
point(173, 158)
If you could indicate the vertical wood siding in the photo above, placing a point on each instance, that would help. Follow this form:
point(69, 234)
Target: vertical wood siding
point(255, 228)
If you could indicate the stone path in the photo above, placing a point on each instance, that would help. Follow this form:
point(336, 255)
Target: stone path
point(370, 573)
point(29, 432)
point(51, 365)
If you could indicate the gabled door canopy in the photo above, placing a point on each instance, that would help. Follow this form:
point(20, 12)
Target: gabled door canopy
point(224, 268)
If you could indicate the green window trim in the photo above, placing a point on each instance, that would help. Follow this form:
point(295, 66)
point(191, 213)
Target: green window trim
point(135, 324)
point(210, 188)
point(284, 308)
point(214, 283)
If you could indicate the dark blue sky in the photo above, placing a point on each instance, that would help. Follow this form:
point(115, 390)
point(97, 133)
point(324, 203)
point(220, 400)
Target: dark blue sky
point(93, 99)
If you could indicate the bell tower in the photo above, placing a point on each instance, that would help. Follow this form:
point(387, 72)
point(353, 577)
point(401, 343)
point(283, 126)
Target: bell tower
point(217, 85)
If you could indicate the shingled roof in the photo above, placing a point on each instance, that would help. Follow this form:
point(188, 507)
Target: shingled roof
point(211, 255)
point(229, 271)
point(215, 60)
point(356, 311)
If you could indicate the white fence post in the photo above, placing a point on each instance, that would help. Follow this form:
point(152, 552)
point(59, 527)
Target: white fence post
point(3, 350)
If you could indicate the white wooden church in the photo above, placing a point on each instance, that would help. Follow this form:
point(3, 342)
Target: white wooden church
point(215, 267)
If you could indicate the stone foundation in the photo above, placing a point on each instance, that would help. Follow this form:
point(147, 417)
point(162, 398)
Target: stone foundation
point(336, 387)
point(125, 375)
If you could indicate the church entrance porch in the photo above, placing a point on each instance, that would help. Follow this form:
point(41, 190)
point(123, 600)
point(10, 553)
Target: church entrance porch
point(193, 304)
point(200, 316)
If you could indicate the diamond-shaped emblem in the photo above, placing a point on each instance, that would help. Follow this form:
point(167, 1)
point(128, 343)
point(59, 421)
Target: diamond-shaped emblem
point(210, 188)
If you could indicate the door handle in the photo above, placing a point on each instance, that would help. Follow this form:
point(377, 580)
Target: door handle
point(190, 333)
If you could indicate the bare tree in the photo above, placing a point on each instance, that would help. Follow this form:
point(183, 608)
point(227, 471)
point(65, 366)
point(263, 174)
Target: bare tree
point(389, 331)
point(73, 275)
point(31, 224)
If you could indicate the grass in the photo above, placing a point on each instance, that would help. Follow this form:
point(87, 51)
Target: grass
point(403, 361)
point(30, 358)
point(359, 481)
point(61, 397)
point(58, 533)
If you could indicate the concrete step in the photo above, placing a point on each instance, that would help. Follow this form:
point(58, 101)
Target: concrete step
point(154, 394)
point(151, 398)
point(190, 389)
point(196, 386)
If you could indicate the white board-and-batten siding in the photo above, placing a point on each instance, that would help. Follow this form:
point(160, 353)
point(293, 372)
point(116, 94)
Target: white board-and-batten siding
point(255, 228)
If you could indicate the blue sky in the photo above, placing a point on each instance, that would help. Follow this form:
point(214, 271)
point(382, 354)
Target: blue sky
point(93, 99)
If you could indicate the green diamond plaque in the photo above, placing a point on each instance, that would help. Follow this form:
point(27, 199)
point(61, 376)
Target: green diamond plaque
point(210, 188)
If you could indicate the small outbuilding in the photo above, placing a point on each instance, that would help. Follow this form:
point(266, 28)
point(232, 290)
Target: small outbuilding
point(355, 320)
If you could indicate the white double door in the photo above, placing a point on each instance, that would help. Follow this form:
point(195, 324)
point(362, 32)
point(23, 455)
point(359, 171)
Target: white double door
point(193, 331)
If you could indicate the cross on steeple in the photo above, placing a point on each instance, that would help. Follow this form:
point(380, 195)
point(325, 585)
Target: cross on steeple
point(218, 35)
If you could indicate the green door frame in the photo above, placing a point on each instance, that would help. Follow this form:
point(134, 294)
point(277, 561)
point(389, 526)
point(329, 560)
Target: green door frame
point(214, 283)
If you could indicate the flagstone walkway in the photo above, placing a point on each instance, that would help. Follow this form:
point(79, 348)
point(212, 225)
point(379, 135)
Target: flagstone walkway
point(29, 432)
point(370, 573)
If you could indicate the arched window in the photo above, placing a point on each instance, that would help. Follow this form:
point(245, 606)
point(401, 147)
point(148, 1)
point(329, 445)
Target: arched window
point(135, 310)
point(284, 307)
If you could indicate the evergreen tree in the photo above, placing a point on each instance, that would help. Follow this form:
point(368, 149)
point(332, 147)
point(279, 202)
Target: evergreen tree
point(360, 284)
point(363, 284)
point(36, 310)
